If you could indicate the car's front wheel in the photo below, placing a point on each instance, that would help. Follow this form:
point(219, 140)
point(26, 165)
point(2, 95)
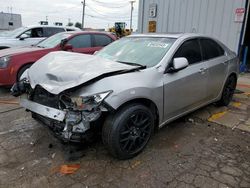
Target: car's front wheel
point(228, 91)
point(126, 133)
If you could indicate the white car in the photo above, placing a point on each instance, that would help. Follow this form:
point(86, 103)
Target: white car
point(26, 36)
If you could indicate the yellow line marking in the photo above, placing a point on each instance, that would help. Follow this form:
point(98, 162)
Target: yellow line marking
point(236, 104)
point(217, 116)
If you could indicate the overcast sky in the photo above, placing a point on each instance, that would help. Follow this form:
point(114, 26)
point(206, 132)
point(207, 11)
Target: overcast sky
point(99, 13)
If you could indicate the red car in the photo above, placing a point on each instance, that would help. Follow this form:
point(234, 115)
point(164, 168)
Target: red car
point(14, 61)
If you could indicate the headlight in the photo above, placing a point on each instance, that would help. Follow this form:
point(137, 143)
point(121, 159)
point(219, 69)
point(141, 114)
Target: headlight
point(89, 102)
point(4, 61)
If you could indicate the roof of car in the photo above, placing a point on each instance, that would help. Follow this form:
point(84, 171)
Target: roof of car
point(167, 35)
point(56, 26)
point(79, 32)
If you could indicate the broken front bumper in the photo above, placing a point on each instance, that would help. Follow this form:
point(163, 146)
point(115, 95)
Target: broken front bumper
point(68, 125)
point(45, 111)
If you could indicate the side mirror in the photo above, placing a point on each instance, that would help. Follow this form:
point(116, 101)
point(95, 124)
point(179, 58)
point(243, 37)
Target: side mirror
point(67, 47)
point(23, 36)
point(178, 64)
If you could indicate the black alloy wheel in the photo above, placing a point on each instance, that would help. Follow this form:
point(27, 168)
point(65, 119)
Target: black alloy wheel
point(127, 132)
point(228, 91)
point(135, 132)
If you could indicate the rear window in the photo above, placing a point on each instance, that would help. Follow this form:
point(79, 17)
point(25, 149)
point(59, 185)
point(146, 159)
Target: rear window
point(49, 31)
point(102, 40)
point(210, 49)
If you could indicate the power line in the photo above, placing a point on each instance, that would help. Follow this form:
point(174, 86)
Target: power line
point(105, 15)
point(109, 19)
point(111, 5)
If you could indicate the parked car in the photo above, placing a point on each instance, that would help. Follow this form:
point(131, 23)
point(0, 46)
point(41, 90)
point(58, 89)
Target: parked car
point(26, 36)
point(128, 88)
point(14, 61)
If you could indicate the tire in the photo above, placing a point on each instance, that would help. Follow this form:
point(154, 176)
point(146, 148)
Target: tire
point(228, 91)
point(21, 71)
point(126, 133)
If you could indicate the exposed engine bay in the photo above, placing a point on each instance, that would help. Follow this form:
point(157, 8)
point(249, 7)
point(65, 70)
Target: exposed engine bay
point(67, 115)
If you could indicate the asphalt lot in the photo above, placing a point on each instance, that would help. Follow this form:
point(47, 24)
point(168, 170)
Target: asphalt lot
point(208, 148)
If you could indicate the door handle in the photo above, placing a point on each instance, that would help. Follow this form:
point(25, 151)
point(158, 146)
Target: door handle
point(202, 70)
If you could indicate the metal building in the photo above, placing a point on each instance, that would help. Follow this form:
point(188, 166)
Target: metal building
point(226, 20)
point(10, 21)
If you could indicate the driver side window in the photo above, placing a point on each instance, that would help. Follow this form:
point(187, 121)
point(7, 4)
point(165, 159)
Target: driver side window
point(28, 33)
point(81, 41)
point(190, 50)
point(34, 33)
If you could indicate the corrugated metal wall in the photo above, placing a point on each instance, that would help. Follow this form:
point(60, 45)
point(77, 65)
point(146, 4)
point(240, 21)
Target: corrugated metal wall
point(211, 17)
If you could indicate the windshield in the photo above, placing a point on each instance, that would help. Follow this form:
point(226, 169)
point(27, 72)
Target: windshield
point(146, 51)
point(53, 41)
point(13, 33)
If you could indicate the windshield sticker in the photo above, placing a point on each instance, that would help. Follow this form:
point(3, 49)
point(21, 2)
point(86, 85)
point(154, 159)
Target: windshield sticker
point(157, 45)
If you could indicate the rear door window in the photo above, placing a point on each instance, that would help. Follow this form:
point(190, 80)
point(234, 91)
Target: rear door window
point(101, 40)
point(190, 50)
point(210, 49)
point(49, 31)
point(81, 41)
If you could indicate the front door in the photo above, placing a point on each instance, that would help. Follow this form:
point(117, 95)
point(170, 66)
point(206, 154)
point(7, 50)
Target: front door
point(186, 89)
point(82, 44)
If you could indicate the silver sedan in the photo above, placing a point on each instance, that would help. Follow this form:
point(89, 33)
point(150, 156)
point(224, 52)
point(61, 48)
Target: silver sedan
point(128, 88)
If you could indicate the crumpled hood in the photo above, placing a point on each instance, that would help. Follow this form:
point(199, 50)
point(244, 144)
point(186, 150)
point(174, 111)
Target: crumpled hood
point(59, 71)
point(18, 50)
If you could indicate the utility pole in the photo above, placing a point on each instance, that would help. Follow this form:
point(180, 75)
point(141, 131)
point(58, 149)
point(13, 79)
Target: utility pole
point(131, 13)
point(83, 12)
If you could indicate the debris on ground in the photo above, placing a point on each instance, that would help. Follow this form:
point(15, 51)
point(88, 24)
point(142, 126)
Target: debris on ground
point(69, 169)
point(190, 120)
point(137, 163)
point(53, 155)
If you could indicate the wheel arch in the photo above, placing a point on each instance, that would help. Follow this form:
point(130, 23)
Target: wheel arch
point(20, 68)
point(146, 102)
point(233, 74)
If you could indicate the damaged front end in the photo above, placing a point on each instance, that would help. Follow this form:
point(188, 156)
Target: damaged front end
point(69, 116)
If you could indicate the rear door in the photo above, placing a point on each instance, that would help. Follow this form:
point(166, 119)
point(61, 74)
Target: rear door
point(82, 44)
point(49, 31)
point(217, 64)
point(100, 41)
point(186, 89)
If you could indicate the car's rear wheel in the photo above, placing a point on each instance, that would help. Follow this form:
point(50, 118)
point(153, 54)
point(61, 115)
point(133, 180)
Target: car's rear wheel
point(21, 71)
point(126, 133)
point(228, 91)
